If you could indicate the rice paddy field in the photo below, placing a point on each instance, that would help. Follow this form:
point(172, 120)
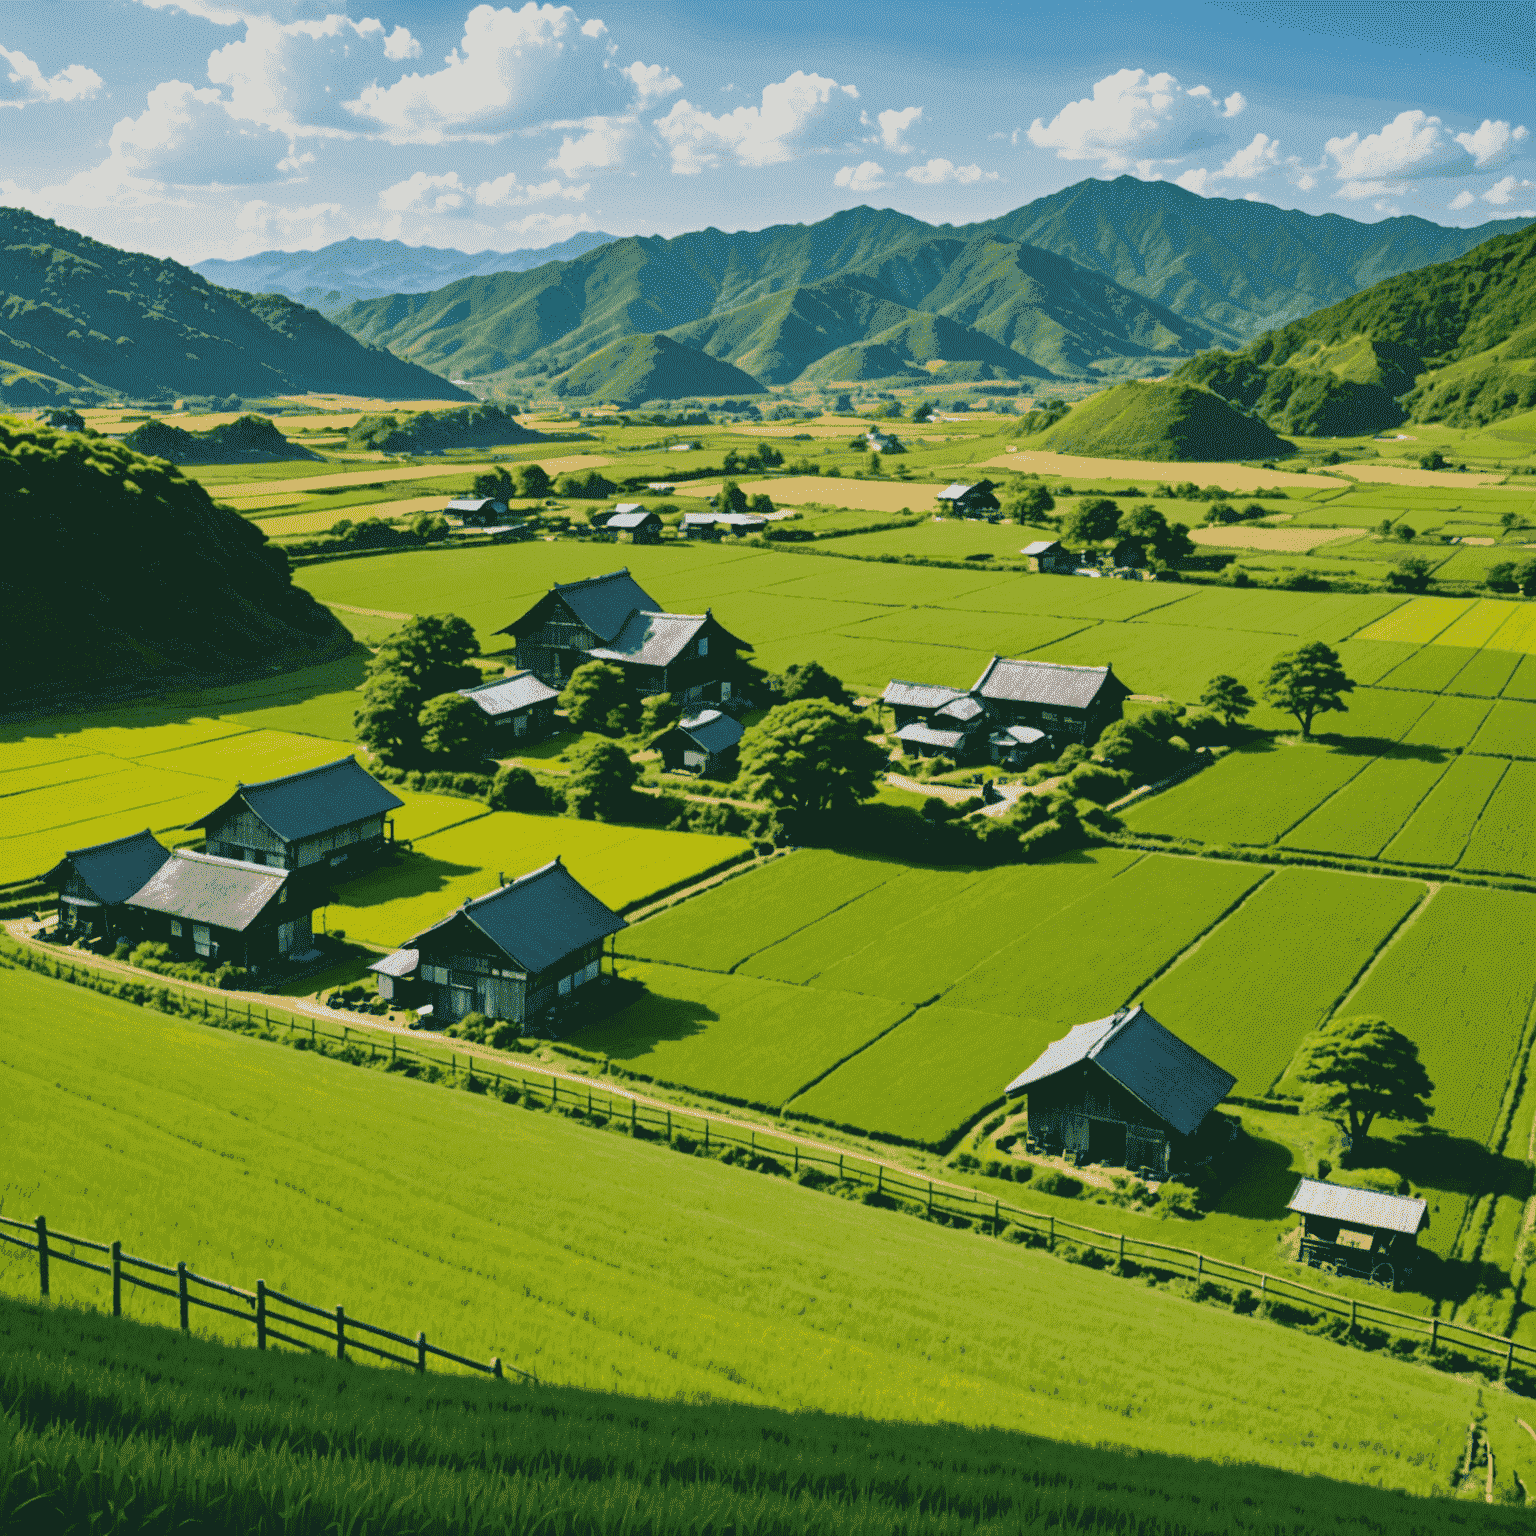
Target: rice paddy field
point(635, 1283)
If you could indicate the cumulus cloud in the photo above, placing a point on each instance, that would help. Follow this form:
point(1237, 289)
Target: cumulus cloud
point(26, 83)
point(1137, 121)
point(603, 146)
point(1260, 157)
point(769, 134)
point(865, 177)
point(1463, 199)
point(1502, 192)
point(893, 128)
point(652, 82)
point(1413, 147)
point(302, 227)
point(936, 172)
point(447, 193)
point(1493, 144)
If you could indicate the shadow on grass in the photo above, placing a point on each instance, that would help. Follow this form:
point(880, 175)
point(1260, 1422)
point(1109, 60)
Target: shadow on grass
point(411, 874)
point(646, 1023)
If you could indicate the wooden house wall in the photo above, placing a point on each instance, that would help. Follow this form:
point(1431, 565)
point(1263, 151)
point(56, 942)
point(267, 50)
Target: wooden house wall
point(241, 833)
point(1063, 1108)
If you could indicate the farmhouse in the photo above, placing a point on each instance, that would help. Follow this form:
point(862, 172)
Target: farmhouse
point(93, 883)
point(224, 910)
point(612, 618)
point(706, 743)
point(634, 525)
point(1070, 704)
point(478, 511)
point(519, 706)
point(1359, 1231)
point(510, 955)
point(1048, 557)
point(960, 500)
point(712, 525)
point(1126, 1092)
point(917, 701)
point(333, 815)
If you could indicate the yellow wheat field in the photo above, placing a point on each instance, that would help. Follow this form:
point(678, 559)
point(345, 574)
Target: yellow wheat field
point(1293, 541)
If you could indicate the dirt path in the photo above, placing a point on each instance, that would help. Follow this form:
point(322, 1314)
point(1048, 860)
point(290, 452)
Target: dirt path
point(953, 795)
point(370, 613)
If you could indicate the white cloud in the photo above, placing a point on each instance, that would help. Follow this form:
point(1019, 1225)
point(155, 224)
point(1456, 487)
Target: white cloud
point(1134, 119)
point(935, 172)
point(208, 10)
point(1411, 146)
point(508, 192)
point(422, 193)
point(600, 148)
point(262, 223)
point(1193, 180)
point(1493, 144)
point(1502, 192)
point(448, 193)
point(893, 128)
point(865, 177)
point(400, 45)
point(1302, 177)
point(1260, 157)
point(652, 82)
point(1360, 191)
point(27, 83)
point(1463, 199)
point(549, 227)
point(768, 134)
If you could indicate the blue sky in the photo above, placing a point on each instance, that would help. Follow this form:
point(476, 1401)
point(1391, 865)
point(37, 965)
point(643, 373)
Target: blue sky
point(195, 128)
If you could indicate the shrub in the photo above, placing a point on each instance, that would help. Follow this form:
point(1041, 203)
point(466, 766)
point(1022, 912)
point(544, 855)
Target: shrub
point(1053, 1182)
point(473, 1026)
point(1093, 781)
point(515, 789)
point(1177, 1200)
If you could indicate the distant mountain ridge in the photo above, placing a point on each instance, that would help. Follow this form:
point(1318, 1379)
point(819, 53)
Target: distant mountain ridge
point(348, 270)
point(1107, 279)
point(87, 321)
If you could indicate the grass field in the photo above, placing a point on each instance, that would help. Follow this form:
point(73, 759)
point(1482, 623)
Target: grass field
point(621, 1267)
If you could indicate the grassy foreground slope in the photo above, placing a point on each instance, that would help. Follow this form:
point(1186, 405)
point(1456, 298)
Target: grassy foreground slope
point(1160, 421)
point(611, 1265)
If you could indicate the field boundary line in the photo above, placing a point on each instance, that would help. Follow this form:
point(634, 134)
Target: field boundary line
point(1220, 920)
point(858, 1050)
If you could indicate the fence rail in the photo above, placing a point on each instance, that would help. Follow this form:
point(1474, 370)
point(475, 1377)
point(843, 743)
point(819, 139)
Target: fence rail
point(936, 1196)
point(339, 1329)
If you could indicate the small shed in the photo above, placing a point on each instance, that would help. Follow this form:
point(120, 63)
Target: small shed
point(634, 525)
point(1360, 1232)
point(520, 707)
point(395, 972)
point(1047, 556)
point(707, 743)
point(1017, 746)
point(478, 511)
point(93, 883)
point(701, 525)
point(960, 500)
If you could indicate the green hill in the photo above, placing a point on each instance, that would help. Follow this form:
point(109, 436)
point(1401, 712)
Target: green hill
point(1453, 343)
point(85, 322)
point(471, 426)
point(1169, 421)
point(121, 571)
point(249, 439)
point(652, 368)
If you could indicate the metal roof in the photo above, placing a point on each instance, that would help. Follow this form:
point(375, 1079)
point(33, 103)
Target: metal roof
point(713, 731)
point(919, 695)
point(476, 504)
point(963, 708)
point(401, 963)
point(114, 871)
point(228, 893)
point(925, 735)
point(538, 919)
point(507, 695)
point(317, 800)
point(652, 639)
point(602, 603)
point(1172, 1079)
point(1359, 1207)
point(1044, 682)
point(1041, 546)
point(626, 519)
point(953, 492)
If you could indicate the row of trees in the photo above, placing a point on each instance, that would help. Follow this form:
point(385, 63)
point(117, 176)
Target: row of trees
point(412, 713)
point(1097, 519)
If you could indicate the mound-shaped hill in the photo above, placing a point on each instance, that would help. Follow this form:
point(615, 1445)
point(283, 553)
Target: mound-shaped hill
point(1454, 343)
point(84, 321)
point(1168, 421)
point(119, 571)
point(471, 426)
point(249, 439)
point(653, 368)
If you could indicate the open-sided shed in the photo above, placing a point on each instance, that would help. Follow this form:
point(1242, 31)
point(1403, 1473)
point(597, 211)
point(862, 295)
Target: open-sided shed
point(1362, 1232)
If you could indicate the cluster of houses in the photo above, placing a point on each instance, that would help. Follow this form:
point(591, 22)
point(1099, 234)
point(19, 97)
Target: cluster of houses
point(1125, 560)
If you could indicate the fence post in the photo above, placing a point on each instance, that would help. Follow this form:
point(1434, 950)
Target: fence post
point(1199, 1265)
point(669, 1125)
point(1263, 1287)
point(1434, 1333)
point(1050, 1241)
point(930, 1199)
point(42, 1255)
point(117, 1279)
point(1509, 1357)
point(706, 1135)
point(1122, 1249)
point(496, 1368)
point(839, 1165)
point(311, 1032)
point(181, 1293)
point(261, 1314)
point(421, 1353)
point(797, 1156)
point(554, 1091)
point(341, 1333)
point(589, 1098)
point(879, 1179)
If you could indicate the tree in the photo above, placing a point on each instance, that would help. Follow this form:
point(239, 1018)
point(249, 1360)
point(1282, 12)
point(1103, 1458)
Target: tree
point(1501, 577)
point(497, 484)
point(455, 731)
point(430, 652)
point(1434, 459)
point(1362, 1067)
point(386, 719)
point(430, 526)
point(1404, 534)
point(63, 419)
point(1167, 542)
point(811, 756)
point(1227, 697)
point(1525, 578)
point(599, 698)
point(515, 789)
point(923, 411)
point(808, 680)
point(1030, 505)
point(602, 781)
point(1411, 575)
point(731, 498)
point(1092, 520)
point(532, 482)
point(1095, 782)
point(1308, 682)
point(761, 505)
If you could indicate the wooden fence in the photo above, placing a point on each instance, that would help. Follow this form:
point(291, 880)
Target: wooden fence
point(262, 1307)
point(936, 1197)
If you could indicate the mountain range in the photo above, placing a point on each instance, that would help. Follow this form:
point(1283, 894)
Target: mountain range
point(348, 270)
point(1105, 279)
point(84, 321)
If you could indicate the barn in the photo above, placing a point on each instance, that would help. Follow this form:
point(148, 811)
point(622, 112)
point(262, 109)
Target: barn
point(707, 744)
point(94, 883)
point(961, 500)
point(632, 524)
point(1360, 1232)
point(1126, 1092)
point(478, 511)
point(519, 707)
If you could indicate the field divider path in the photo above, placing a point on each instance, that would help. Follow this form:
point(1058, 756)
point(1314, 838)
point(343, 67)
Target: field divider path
point(1194, 944)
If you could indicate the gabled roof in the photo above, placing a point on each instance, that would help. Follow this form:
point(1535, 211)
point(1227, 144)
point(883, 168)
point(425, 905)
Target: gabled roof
point(536, 920)
point(964, 708)
point(317, 800)
point(507, 695)
point(631, 519)
point(658, 639)
point(923, 696)
point(476, 504)
point(959, 490)
point(602, 603)
point(113, 871)
point(401, 963)
point(1046, 682)
point(927, 736)
point(1359, 1207)
point(1041, 547)
point(228, 893)
point(712, 730)
point(1172, 1079)
point(1016, 735)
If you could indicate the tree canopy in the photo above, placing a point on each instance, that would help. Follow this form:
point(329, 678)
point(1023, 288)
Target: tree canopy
point(602, 781)
point(1091, 521)
point(808, 680)
point(455, 731)
point(812, 756)
point(427, 657)
point(1308, 682)
point(599, 697)
point(1227, 697)
point(1363, 1068)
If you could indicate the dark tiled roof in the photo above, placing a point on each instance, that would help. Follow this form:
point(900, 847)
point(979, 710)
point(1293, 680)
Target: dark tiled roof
point(918, 695)
point(1045, 682)
point(507, 695)
point(713, 731)
point(1172, 1079)
point(1359, 1207)
point(537, 919)
point(604, 603)
point(318, 800)
point(652, 639)
point(401, 963)
point(964, 708)
point(227, 893)
point(113, 871)
point(925, 735)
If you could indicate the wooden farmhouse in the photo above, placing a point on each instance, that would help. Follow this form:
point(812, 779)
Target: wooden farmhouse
point(612, 618)
point(1359, 1231)
point(318, 819)
point(519, 707)
point(226, 911)
point(715, 525)
point(512, 954)
point(1049, 557)
point(478, 511)
point(632, 524)
point(1070, 704)
point(94, 883)
point(959, 500)
point(1125, 1092)
point(707, 744)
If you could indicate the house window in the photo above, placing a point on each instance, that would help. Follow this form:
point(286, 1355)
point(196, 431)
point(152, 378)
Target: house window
point(520, 725)
point(436, 974)
point(175, 927)
point(703, 645)
point(202, 940)
point(565, 985)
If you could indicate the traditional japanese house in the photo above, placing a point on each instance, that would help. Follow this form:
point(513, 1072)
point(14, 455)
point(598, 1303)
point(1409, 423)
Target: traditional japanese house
point(1126, 1092)
point(1049, 558)
point(706, 743)
point(519, 706)
point(917, 701)
point(1018, 746)
point(478, 511)
point(1359, 1231)
point(714, 525)
point(512, 954)
point(960, 500)
point(320, 818)
point(224, 910)
point(632, 524)
point(1070, 704)
point(93, 883)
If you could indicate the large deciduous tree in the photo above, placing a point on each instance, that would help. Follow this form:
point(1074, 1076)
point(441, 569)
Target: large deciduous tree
point(455, 732)
point(1362, 1068)
point(1091, 521)
point(1227, 697)
point(1308, 682)
point(807, 680)
point(599, 698)
point(811, 756)
point(602, 781)
point(430, 652)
